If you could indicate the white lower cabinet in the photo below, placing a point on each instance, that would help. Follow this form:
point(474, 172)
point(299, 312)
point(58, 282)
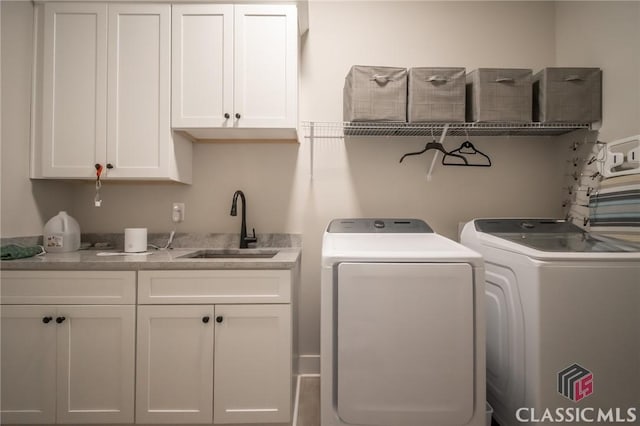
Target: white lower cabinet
point(67, 364)
point(95, 365)
point(28, 365)
point(212, 347)
point(215, 362)
point(175, 364)
point(252, 375)
point(62, 363)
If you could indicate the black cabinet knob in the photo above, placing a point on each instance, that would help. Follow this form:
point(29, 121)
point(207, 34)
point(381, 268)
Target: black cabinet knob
point(60, 320)
point(205, 319)
point(47, 320)
point(226, 115)
point(219, 319)
point(109, 166)
point(237, 115)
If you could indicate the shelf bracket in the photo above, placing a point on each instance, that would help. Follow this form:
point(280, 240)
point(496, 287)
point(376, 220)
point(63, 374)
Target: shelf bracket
point(435, 156)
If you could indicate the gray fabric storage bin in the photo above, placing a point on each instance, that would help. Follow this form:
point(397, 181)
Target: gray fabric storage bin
point(375, 94)
point(499, 94)
point(567, 95)
point(436, 95)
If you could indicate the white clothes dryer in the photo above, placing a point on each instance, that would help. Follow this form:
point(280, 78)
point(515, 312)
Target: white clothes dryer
point(563, 322)
point(402, 318)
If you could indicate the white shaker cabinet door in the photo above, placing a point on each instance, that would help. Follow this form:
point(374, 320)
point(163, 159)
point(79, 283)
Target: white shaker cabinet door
point(175, 364)
point(74, 89)
point(266, 67)
point(202, 65)
point(252, 364)
point(28, 361)
point(96, 364)
point(139, 110)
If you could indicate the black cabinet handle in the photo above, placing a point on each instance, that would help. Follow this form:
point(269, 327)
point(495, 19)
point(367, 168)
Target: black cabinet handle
point(237, 115)
point(47, 320)
point(226, 115)
point(205, 319)
point(60, 320)
point(219, 319)
point(109, 166)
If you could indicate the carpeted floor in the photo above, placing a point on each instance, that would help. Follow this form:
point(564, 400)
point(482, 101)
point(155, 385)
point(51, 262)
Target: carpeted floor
point(309, 403)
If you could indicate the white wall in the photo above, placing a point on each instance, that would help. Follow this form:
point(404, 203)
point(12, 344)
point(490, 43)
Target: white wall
point(606, 35)
point(363, 178)
point(25, 205)
point(358, 178)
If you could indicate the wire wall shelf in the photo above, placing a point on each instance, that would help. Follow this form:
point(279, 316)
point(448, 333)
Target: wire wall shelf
point(323, 130)
point(318, 130)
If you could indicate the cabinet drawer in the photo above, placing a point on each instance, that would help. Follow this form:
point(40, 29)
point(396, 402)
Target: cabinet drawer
point(68, 287)
point(214, 286)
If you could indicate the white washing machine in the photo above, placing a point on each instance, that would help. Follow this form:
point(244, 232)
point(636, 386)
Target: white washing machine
point(402, 324)
point(563, 321)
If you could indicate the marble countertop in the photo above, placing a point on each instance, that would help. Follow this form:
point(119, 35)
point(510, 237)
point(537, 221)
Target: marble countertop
point(287, 245)
point(286, 258)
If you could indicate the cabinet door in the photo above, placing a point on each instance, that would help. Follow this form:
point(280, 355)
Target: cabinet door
point(266, 66)
point(253, 373)
point(96, 360)
point(175, 364)
point(28, 362)
point(139, 60)
point(202, 65)
point(74, 89)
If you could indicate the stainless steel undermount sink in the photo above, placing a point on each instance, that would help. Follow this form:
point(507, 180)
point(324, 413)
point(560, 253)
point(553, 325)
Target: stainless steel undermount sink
point(230, 254)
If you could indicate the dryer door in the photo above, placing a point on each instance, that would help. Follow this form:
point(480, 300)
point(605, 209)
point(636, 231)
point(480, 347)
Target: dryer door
point(405, 343)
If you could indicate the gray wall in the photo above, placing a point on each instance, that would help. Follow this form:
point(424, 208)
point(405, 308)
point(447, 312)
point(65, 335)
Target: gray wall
point(354, 178)
point(605, 34)
point(25, 205)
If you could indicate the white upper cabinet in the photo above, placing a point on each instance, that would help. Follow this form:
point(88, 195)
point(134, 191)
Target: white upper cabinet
point(106, 90)
point(235, 71)
point(139, 58)
point(74, 93)
point(202, 67)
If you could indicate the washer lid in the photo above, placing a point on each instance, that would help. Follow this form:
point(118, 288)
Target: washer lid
point(379, 226)
point(550, 235)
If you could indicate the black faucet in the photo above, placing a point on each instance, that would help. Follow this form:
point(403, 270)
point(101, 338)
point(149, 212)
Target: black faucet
point(244, 240)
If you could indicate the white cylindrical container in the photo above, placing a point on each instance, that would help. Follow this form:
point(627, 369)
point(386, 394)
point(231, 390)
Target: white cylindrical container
point(61, 234)
point(135, 240)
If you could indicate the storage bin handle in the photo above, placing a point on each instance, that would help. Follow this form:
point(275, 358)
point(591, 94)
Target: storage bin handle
point(381, 79)
point(437, 79)
point(504, 80)
point(573, 77)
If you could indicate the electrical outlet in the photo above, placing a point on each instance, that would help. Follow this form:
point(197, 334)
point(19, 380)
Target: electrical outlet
point(177, 212)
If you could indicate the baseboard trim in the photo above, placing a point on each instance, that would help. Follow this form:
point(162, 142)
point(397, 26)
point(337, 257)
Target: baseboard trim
point(309, 364)
point(296, 402)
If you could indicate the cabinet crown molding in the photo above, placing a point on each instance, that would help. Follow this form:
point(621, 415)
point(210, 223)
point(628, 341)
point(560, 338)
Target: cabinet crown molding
point(303, 6)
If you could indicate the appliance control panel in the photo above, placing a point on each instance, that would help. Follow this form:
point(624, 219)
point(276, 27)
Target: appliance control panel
point(373, 226)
